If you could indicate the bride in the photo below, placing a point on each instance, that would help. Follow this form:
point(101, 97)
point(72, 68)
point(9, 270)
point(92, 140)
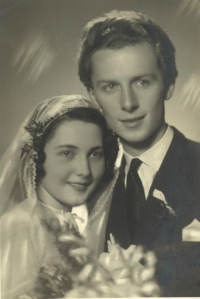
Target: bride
point(60, 166)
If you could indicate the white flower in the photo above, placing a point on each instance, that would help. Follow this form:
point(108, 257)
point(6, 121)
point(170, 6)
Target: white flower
point(159, 195)
point(191, 233)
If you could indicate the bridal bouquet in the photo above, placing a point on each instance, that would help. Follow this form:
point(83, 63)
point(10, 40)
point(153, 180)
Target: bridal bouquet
point(119, 273)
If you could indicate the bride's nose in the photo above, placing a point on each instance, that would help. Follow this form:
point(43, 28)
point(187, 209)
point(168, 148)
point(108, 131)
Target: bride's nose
point(82, 167)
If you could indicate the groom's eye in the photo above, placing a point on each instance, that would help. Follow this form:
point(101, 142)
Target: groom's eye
point(110, 87)
point(143, 83)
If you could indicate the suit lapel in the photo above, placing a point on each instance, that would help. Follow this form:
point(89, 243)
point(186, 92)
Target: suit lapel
point(171, 175)
point(172, 181)
point(172, 178)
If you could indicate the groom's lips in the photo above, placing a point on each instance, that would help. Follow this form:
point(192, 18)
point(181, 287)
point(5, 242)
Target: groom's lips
point(133, 121)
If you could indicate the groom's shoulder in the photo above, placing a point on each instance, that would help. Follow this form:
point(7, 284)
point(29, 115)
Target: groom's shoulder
point(191, 154)
point(193, 149)
point(191, 146)
point(194, 156)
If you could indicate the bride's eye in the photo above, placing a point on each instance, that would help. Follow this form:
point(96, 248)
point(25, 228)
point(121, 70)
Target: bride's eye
point(67, 153)
point(97, 154)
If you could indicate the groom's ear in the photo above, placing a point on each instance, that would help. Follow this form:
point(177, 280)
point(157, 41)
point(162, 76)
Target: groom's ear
point(169, 92)
point(92, 96)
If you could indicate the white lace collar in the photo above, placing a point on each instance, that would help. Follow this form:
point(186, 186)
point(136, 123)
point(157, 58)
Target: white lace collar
point(81, 211)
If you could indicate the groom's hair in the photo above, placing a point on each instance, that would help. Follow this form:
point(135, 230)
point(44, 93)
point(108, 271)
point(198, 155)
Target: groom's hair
point(87, 115)
point(118, 29)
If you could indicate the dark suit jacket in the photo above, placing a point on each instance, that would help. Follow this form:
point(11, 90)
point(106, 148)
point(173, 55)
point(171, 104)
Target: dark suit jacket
point(179, 180)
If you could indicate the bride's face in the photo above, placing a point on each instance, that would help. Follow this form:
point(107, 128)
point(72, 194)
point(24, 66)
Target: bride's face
point(74, 162)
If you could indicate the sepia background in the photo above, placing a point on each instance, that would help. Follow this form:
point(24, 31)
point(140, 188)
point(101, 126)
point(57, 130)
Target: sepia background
point(38, 45)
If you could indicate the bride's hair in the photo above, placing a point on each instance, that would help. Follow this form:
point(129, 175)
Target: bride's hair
point(87, 115)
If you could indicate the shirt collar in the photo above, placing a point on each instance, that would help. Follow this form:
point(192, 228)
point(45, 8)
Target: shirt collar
point(45, 197)
point(154, 156)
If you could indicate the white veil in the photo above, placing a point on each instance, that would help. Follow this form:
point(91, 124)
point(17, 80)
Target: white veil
point(24, 241)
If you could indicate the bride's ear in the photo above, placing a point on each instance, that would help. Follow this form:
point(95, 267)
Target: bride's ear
point(170, 92)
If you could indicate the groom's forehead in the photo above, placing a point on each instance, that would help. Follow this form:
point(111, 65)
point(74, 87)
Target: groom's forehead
point(99, 57)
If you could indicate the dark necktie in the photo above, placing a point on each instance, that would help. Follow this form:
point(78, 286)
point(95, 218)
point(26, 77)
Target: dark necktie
point(135, 197)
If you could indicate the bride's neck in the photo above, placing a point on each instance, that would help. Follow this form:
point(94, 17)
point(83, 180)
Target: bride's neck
point(49, 200)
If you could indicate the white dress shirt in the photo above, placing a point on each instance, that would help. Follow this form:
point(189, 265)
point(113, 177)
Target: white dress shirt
point(151, 160)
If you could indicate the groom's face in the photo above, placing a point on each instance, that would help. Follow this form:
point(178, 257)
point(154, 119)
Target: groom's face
point(129, 87)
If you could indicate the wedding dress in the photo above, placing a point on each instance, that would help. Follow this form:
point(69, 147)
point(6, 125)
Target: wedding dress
point(26, 244)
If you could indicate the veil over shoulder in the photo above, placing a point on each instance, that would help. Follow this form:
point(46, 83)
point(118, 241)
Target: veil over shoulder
point(98, 216)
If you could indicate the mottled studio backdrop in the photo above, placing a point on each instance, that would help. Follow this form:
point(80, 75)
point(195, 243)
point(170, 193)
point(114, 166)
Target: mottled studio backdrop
point(39, 41)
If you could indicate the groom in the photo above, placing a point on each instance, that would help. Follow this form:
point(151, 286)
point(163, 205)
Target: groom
point(127, 63)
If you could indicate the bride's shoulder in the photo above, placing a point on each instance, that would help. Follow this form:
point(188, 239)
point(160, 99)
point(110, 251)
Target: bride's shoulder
point(19, 216)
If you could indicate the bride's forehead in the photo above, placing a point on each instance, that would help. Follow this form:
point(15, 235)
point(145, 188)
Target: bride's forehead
point(77, 134)
point(74, 128)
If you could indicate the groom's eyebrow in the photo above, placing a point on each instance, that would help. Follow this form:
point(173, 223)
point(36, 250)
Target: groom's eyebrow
point(134, 78)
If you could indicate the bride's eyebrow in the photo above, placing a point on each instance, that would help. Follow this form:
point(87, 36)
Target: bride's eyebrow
point(66, 146)
point(95, 148)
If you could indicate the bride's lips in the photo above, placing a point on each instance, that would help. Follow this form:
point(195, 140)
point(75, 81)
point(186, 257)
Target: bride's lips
point(79, 186)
